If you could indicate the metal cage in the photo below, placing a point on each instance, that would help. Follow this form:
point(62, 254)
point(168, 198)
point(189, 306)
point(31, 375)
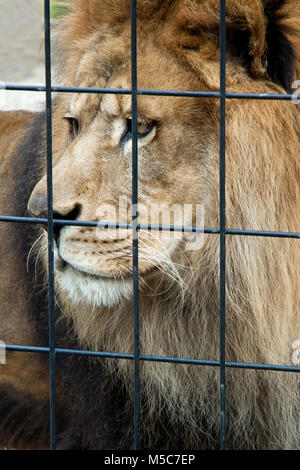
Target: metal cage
point(222, 230)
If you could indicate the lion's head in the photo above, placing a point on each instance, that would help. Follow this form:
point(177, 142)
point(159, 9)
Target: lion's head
point(178, 184)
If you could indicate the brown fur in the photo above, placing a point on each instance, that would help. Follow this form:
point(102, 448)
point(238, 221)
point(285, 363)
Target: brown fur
point(178, 48)
point(22, 374)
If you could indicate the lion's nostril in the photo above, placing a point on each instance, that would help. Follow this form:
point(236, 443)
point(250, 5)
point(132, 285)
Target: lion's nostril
point(37, 205)
point(72, 215)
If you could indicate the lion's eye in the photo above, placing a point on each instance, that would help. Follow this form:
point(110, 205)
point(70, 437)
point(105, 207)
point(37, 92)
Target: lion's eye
point(73, 125)
point(143, 129)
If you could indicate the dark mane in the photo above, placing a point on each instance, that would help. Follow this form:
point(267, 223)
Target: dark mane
point(281, 57)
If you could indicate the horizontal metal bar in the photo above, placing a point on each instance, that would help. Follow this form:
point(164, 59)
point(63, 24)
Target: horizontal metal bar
point(230, 364)
point(262, 96)
point(8, 87)
point(127, 91)
point(170, 228)
point(262, 233)
point(143, 357)
point(17, 348)
point(112, 225)
point(115, 91)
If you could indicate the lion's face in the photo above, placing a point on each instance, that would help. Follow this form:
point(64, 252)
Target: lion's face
point(178, 140)
point(92, 178)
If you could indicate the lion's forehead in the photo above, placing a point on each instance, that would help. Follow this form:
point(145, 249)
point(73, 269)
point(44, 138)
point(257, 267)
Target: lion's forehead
point(108, 65)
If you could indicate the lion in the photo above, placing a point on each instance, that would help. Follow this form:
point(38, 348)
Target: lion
point(178, 48)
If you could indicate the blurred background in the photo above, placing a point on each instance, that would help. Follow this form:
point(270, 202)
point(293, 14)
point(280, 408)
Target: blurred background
point(22, 50)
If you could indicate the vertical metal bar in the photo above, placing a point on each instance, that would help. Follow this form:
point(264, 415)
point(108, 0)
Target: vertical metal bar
point(222, 224)
point(50, 226)
point(133, 14)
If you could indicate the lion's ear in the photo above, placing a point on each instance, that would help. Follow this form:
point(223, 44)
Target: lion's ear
point(283, 28)
point(258, 36)
point(195, 35)
point(263, 39)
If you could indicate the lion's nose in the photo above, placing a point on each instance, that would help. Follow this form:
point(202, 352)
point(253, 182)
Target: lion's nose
point(38, 207)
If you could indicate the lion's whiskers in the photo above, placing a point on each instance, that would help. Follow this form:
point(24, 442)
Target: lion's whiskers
point(31, 251)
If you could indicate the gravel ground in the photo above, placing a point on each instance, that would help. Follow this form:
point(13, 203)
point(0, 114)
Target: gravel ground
point(21, 52)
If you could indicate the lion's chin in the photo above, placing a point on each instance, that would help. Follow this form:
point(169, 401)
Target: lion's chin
point(83, 286)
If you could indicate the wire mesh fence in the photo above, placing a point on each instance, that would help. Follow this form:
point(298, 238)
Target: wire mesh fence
point(222, 231)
